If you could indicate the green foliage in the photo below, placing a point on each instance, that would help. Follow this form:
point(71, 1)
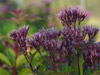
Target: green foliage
point(6, 26)
point(2, 48)
point(5, 59)
point(25, 71)
point(81, 61)
point(37, 59)
point(87, 71)
point(52, 73)
point(11, 56)
point(42, 67)
point(69, 69)
point(20, 60)
point(64, 67)
point(75, 65)
point(97, 72)
point(32, 56)
point(4, 72)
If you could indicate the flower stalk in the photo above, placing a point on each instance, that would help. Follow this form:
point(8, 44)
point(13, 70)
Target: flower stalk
point(78, 64)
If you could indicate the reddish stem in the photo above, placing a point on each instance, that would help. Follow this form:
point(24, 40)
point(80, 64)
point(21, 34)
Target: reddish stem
point(14, 71)
point(53, 62)
point(98, 64)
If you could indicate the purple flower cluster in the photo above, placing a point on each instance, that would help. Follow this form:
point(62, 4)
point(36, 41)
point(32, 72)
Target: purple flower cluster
point(71, 16)
point(60, 45)
point(48, 39)
point(19, 36)
point(74, 35)
point(92, 55)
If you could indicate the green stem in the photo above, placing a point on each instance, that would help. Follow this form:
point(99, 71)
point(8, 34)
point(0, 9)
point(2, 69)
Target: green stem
point(26, 56)
point(43, 59)
point(78, 64)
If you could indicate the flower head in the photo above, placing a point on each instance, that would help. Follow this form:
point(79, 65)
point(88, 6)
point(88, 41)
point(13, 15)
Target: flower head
point(70, 16)
point(46, 38)
point(19, 36)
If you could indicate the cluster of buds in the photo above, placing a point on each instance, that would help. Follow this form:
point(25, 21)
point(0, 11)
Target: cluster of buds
point(92, 54)
point(59, 45)
point(44, 36)
point(19, 36)
point(91, 32)
point(48, 39)
point(71, 16)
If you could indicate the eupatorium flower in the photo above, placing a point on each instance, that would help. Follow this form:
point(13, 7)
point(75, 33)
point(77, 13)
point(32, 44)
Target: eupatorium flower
point(60, 45)
point(47, 38)
point(19, 36)
point(70, 16)
point(73, 35)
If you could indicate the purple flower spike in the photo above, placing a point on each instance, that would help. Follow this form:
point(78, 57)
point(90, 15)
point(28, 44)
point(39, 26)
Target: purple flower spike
point(45, 38)
point(19, 36)
point(70, 16)
point(92, 32)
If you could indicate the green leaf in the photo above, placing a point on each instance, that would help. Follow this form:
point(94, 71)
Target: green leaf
point(81, 62)
point(25, 71)
point(42, 67)
point(4, 72)
point(20, 60)
point(52, 73)
point(11, 56)
point(5, 59)
point(37, 60)
point(64, 66)
point(32, 56)
point(75, 65)
point(96, 73)
point(69, 70)
point(87, 71)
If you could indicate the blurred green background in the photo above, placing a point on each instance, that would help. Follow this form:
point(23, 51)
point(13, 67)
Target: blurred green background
point(45, 10)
